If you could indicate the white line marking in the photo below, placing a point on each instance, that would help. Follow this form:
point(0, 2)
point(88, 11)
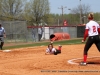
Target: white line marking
point(72, 60)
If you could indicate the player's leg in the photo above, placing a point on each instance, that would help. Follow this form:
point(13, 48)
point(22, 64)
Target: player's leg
point(39, 37)
point(55, 52)
point(2, 42)
point(58, 51)
point(97, 42)
point(59, 48)
point(88, 44)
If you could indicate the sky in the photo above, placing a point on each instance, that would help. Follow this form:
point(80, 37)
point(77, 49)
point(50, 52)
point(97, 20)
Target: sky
point(70, 4)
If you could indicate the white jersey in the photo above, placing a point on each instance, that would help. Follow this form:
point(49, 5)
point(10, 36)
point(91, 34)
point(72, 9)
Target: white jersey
point(52, 51)
point(93, 28)
point(2, 31)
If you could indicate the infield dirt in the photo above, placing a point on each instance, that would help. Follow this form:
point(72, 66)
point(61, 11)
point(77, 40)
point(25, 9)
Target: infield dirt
point(33, 61)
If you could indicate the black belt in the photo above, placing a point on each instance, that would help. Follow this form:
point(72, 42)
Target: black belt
point(1, 35)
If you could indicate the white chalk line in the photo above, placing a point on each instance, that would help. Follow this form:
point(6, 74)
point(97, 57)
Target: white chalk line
point(72, 60)
point(23, 48)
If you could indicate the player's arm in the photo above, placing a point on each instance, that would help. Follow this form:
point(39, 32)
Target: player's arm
point(47, 53)
point(85, 34)
point(99, 30)
point(4, 33)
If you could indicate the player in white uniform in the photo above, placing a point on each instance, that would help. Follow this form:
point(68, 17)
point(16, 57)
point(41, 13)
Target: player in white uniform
point(52, 50)
point(92, 31)
point(2, 35)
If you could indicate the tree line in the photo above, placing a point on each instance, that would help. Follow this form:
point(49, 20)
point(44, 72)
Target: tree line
point(37, 12)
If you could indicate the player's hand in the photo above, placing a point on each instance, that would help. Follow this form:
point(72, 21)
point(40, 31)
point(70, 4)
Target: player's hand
point(48, 54)
point(83, 41)
point(4, 36)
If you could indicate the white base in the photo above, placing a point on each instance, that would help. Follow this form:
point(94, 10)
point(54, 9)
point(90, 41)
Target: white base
point(6, 50)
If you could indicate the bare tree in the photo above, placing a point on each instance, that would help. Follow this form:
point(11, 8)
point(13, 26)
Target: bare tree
point(39, 9)
point(81, 9)
point(0, 9)
point(27, 14)
point(84, 8)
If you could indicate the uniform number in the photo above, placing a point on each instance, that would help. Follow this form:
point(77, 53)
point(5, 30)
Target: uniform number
point(94, 28)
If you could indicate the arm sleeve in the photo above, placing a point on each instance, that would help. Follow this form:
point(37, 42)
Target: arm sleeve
point(99, 29)
point(47, 50)
point(85, 34)
point(4, 31)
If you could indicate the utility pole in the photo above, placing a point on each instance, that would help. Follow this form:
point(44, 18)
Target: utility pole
point(80, 13)
point(0, 7)
point(62, 9)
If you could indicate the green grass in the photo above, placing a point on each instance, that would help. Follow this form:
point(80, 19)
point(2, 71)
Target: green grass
point(64, 42)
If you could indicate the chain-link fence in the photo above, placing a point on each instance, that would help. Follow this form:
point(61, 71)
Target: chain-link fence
point(16, 31)
point(73, 31)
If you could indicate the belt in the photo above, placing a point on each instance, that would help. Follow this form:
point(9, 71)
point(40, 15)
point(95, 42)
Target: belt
point(1, 35)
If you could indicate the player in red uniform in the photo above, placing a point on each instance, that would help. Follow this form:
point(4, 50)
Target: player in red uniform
point(92, 31)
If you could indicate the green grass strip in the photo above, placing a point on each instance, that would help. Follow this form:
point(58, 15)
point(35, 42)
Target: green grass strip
point(64, 42)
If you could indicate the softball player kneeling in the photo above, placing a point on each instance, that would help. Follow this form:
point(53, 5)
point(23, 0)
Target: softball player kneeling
point(52, 50)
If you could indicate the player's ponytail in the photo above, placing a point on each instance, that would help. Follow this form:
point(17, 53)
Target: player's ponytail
point(90, 16)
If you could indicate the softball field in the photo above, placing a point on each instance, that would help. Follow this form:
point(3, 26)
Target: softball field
point(33, 61)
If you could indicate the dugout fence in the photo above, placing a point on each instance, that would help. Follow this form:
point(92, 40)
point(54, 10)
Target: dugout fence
point(17, 31)
point(74, 31)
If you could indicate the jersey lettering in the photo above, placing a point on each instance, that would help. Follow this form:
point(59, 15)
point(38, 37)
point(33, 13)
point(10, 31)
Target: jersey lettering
point(94, 28)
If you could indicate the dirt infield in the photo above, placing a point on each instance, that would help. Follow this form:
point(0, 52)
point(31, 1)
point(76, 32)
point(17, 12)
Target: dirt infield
point(33, 61)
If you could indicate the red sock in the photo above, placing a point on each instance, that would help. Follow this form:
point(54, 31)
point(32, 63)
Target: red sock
point(85, 58)
point(59, 48)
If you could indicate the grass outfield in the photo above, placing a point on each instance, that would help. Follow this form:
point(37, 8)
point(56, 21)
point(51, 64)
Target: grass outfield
point(64, 42)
